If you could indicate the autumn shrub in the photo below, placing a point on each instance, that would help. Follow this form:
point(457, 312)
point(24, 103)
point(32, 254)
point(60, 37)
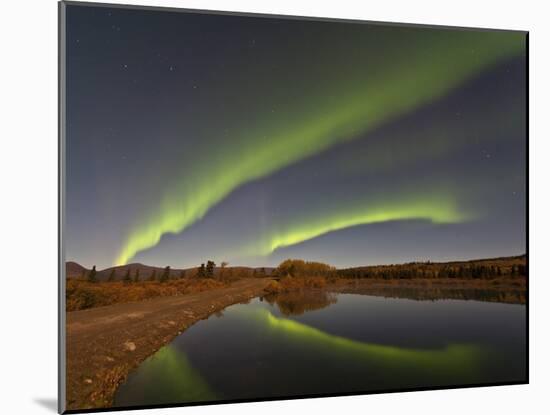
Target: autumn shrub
point(301, 268)
point(273, 287)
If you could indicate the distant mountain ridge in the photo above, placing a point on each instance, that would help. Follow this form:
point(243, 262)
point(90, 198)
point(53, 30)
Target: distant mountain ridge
point(75, 270)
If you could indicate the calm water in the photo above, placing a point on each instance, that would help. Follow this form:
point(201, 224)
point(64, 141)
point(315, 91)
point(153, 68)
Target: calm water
point(318, 343)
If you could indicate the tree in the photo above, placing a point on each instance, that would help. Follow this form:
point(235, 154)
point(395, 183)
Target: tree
point(165, 276)
point(127, 278)
point(210, 265)
point(92, 276)
point(153, 275)
point(111, 276)
point(136, 275)
point(201, 271)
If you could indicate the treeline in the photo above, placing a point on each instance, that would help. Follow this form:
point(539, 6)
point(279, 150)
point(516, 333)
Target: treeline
point(132, 276)
point(464, 270)
point(206, 270)
point(428, 270)
point(225, 273)
point(479, 269)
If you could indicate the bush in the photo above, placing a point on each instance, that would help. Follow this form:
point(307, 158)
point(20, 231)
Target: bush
point(273, 287)
point(301, 268)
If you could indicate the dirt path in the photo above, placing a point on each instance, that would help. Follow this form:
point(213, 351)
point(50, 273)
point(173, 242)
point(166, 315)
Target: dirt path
point(104, 344)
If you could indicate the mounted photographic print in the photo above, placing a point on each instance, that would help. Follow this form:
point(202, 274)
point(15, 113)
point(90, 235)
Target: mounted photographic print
point(259, 207)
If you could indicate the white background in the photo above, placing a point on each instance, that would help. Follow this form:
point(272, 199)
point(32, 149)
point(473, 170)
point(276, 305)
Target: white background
point(28, 204)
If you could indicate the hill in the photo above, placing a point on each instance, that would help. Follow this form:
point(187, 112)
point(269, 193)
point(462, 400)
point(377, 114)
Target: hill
point(75, 270)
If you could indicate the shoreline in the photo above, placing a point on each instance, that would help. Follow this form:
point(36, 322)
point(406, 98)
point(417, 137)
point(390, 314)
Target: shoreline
point(105, 343)
point(505, 291)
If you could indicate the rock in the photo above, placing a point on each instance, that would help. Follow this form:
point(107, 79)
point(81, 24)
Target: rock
point(88, 381)
point(130, 346)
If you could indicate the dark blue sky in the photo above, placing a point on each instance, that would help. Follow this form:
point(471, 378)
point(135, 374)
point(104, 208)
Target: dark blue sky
point(251, 140)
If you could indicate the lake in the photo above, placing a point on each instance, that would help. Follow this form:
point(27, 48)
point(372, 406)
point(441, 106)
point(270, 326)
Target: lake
point(314, 342)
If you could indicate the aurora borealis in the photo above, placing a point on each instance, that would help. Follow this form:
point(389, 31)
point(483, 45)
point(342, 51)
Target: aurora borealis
point(168, 375)
point(250, 140)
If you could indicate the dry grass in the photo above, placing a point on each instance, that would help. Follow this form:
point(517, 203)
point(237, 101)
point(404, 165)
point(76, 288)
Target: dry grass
point(82, 294)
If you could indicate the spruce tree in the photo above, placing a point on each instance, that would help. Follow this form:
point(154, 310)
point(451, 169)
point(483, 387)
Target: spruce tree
point(165, 276)
point(201, 271)
point(92, 276)
point(210, 265)
point(127, 278)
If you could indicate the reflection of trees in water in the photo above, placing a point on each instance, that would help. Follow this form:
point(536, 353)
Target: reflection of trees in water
point(437, 293)
point(295, 303)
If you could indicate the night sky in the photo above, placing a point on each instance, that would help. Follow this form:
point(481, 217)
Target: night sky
point(251, 140)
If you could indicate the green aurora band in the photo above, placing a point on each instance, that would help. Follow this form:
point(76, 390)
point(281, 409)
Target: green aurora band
point(174, 378)
point(438, 208)
point(422, 69)
point(168, 376)
point(455, 361)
